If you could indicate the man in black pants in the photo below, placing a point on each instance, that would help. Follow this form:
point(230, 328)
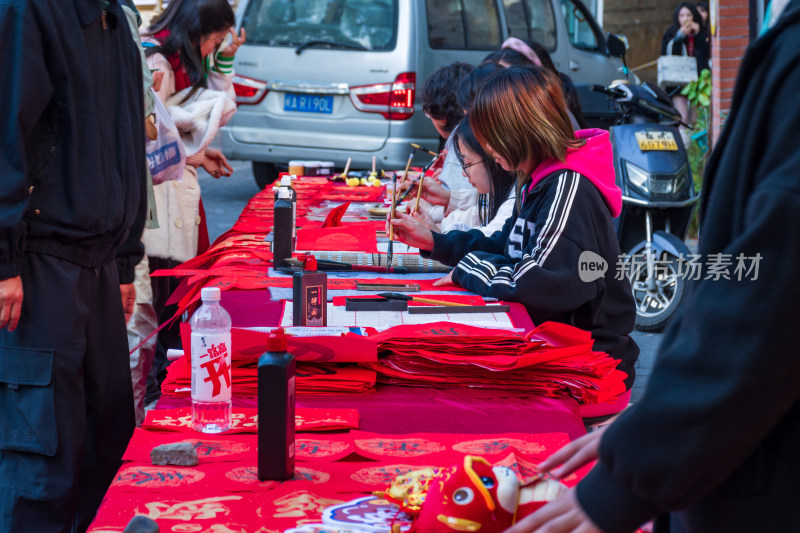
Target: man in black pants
point(72, 208)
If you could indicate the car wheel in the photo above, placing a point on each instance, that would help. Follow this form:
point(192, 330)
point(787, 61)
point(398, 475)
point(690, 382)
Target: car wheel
point(264, 173)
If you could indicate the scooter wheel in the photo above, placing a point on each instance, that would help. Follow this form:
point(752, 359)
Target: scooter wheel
point(655, 307)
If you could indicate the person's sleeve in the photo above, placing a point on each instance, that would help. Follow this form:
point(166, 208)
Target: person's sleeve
point(462, 199)
point(504, 213)
point(667, 41)
point(727, 372)
point(25, 90)
point(545, 278)
point(450, 248)
point(436, 212)
point(461, 220)
point(130, 252)
point(452, 175)
point(220, 75)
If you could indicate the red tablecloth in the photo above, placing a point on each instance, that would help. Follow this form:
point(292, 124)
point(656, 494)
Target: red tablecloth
point(395, 409)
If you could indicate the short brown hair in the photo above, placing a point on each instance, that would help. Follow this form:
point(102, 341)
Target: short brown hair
point(521, 114)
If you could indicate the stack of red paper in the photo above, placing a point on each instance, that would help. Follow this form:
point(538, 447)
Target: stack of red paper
point(311, 378)
point(326, 365)
point(554, 360)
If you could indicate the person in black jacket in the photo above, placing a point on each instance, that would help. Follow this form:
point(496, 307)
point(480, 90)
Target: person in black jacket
point(688, 36)
point(566, 199)
point(72, 209)
point(714, 439)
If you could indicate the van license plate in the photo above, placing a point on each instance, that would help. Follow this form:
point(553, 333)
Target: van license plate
point(308, 103)
point(656, 140)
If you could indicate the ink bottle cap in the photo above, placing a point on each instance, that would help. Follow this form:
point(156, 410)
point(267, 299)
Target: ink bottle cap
point(309, 262)
point(277, 341)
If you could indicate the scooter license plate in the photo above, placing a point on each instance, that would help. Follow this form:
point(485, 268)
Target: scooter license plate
point(656, 140)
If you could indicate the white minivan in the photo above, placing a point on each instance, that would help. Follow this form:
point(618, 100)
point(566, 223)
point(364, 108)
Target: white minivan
point(338, 79)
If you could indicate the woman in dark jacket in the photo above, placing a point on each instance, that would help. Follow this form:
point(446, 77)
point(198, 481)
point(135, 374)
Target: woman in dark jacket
point(687, 36)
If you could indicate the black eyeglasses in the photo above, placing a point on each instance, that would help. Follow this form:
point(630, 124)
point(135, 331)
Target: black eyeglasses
point(465, 167)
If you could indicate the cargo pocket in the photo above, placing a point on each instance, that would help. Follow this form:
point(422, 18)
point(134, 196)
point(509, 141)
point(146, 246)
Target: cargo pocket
point(27, 407)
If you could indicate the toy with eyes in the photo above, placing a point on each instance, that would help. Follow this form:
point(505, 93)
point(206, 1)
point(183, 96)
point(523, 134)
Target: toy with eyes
point(475, 496)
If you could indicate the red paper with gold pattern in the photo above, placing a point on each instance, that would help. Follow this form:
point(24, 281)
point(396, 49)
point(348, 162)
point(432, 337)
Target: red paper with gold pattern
point(244, 420)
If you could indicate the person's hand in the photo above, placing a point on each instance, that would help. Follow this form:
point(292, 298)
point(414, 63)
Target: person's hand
point(424, 218)
point(562, 515)
point(447, 280)
point(574, 455)
point(405, 186)
point(433, 192)
point(216, 164)
point(236, 42)
point(158, 77)
point(10, 302)
point(409, 231)
point(128, 292)
point(437, 174)
point(690, 28)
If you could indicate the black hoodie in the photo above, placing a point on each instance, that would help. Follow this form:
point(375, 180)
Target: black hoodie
point(716, 437)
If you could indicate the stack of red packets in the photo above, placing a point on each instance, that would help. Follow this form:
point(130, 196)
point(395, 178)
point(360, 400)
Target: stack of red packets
point(322, 366)
point(554, 360)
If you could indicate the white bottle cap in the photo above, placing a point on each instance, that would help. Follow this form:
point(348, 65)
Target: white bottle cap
point(284, 193)
point(210, 294)
point(286, 181)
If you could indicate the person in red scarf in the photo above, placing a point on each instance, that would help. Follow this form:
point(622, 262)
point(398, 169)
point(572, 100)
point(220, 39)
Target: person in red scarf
point(185, 43)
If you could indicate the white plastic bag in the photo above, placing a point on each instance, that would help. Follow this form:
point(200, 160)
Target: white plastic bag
point(166, 155)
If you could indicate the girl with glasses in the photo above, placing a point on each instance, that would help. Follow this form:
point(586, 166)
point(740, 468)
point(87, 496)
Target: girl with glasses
point(486, 205)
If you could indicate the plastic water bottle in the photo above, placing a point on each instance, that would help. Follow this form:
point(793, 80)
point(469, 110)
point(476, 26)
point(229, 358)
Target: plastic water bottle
point(211, 365)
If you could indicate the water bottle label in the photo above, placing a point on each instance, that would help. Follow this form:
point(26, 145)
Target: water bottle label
point(211, 367)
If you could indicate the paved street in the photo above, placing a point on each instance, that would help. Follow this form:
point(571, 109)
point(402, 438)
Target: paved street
point(225, 198)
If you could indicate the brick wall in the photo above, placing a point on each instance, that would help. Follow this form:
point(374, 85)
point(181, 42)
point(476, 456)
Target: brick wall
point(731, 37)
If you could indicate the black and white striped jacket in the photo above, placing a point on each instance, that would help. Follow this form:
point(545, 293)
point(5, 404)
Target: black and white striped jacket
point(535, 259)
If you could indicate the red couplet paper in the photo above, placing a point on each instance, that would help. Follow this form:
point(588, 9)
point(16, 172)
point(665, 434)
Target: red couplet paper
point(554, 360)
point(350, 238)
point(334, 218)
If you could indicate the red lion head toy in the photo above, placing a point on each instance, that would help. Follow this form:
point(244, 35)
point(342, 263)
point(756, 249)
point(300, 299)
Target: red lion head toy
point(475, 496)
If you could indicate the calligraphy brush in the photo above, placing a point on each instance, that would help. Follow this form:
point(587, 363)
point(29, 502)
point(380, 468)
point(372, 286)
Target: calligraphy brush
point(424, 170)
point(329, 266)
point(391, 217)
point(409, 298)
point(422, 149)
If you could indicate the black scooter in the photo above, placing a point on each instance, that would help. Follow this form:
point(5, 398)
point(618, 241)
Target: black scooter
point(658, 197)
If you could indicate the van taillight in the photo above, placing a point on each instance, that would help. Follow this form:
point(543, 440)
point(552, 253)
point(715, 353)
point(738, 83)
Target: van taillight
point(249, 91)
point(395, 101)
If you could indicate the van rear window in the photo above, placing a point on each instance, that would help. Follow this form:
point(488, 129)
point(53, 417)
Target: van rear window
point(363, 24)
